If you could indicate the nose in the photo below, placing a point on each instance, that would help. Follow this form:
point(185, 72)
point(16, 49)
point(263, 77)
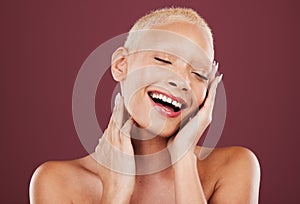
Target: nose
point(181, 80)
point(179, 83)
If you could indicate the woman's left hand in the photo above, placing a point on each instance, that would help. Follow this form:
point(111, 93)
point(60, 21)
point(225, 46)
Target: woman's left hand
point(186, 139)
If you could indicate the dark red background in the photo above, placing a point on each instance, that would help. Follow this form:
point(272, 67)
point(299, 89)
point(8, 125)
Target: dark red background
point(44, 43)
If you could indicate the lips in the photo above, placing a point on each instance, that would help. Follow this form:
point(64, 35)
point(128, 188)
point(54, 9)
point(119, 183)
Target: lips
point(167, 104)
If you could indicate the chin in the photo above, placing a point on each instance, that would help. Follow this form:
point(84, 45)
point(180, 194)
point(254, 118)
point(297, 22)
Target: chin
point(168, 134)
point(161, 129)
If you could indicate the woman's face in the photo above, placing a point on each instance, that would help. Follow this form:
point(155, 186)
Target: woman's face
point(167, 77)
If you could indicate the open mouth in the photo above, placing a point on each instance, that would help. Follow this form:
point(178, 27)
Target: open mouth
point(171, 103)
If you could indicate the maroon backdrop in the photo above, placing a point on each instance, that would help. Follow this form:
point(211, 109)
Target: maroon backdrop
point(44, 43)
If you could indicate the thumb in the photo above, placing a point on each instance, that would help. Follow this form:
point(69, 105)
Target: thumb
point(125, 137)
point(125, 130)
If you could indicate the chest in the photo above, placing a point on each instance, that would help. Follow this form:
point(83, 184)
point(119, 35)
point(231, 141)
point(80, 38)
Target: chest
point(149, 193)
point(164, 191)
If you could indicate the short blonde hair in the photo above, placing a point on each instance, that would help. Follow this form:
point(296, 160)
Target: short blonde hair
point(162, 16)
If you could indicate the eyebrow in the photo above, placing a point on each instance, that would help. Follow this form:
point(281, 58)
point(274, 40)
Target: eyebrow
point(162, 60)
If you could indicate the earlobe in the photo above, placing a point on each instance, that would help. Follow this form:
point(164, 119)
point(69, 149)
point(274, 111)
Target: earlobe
point(119, 64)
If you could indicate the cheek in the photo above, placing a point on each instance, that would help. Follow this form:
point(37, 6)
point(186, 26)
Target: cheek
point(136, 106)
point(133, 103)
point(200, 93)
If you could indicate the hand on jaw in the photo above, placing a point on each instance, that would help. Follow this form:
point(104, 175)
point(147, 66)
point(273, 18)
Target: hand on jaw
point(185, 141)
point(115, 155)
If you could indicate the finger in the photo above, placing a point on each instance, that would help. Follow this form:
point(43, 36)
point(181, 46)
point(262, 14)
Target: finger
point(125, 136)
point(118, 112)
point(105, 136)
point(209, 102)
point(215, 67)
point(105, 140)
point(204, 116)
point(111, 121)
point(126, 129)
point(116, 120)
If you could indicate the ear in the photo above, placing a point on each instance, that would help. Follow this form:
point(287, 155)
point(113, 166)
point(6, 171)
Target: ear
point(119, 64)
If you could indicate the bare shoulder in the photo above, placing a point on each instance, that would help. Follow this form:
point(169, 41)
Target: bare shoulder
point(61, 182)
point(228, 157)
point(236, 161)
point(236, 172)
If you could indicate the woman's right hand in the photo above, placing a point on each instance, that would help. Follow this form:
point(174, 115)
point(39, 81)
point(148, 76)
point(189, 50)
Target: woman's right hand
point(115, 157)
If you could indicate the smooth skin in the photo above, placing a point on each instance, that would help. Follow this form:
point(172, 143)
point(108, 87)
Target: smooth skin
point(228, 175)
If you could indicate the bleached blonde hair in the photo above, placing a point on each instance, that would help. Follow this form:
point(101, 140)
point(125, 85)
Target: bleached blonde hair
point(163, 16)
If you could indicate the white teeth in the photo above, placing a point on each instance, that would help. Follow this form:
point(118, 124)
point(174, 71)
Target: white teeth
point(166, 99)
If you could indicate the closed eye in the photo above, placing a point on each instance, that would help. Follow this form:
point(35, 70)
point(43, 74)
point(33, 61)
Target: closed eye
point(162, 60)
point(200, 76)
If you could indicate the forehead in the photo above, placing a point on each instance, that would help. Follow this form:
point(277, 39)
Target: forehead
point(189, 47)
point(193, 32)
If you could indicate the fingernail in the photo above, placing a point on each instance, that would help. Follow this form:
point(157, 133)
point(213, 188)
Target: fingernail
point(117, 99)
point(220, 77)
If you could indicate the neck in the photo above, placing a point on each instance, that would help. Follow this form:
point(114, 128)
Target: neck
point(151, 155)
point(145, 142)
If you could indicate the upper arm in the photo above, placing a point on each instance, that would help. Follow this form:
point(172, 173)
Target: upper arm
point(239, 182)
point(46, 186)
